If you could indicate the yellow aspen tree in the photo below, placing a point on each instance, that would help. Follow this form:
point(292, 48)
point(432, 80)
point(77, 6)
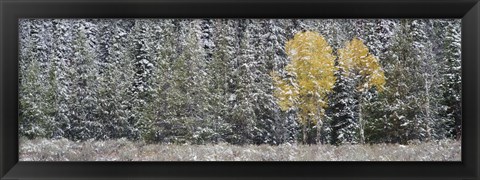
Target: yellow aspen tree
point(309, 78)
point(358, 63)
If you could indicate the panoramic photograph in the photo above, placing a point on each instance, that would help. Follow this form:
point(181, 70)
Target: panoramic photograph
point(240, 90)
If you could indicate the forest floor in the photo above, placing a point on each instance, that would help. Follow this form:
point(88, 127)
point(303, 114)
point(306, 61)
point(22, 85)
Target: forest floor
point(124, 150)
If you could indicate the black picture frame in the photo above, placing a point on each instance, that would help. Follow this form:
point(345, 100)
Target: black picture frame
point(12, 10)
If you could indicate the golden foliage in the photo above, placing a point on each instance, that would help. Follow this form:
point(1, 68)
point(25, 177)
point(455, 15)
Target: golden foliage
point(355, 59)
point(310, 75)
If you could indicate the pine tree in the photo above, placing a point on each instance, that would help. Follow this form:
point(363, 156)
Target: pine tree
point(401, 101)
point(31, 118)
point(281, 128)
point(380, 42)
point(198, 83)
point(114, 81)
point(242, 114)
point(430, 79)
point(60, 55)
point(206, 38)
point(451, 70)
point(142, 89)
point(159, 127)
point(218, 71)
point(344, 124)
point(82, 74)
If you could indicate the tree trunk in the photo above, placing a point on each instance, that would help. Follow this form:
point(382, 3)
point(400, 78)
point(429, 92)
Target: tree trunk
point(304, 134)
point(427, 111)
point(319, 126)
point(360, 119)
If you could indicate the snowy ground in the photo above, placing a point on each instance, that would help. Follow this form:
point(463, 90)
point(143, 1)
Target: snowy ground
point(124, 150)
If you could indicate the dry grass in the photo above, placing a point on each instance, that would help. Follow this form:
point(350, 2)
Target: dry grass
point(124, 150)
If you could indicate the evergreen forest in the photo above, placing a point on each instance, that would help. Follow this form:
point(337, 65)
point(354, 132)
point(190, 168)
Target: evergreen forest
point(241, 81)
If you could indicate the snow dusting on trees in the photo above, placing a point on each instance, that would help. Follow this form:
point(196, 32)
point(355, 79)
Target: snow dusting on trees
point(241, 81)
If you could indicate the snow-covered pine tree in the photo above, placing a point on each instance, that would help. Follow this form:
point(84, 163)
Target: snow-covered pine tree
point(283, 127)
point(344, 125)
point(207, 34)
point(34, 120)
point(106, 105)
point(401, 104)
point(261, 89)
point(142, 59)
point(164, 48)
point(185, 88)
point(383, 34)
point(198, 89)
point(336, 32)
point(242, 113)
point(343, 106)
point(61, 58)
point(416, 107)
point(218, 70)
point(452, 85)
point(376, 33)
point(82, 74)
point(430, 92)
point(114, 80)
point(142, 89)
